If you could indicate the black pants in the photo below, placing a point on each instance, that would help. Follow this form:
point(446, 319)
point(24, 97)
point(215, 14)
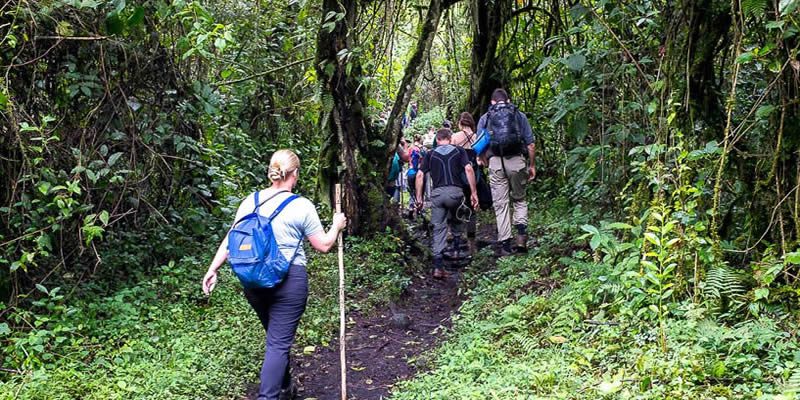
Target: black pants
point(279, 310)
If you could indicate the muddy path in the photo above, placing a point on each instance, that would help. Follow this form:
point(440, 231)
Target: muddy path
point(385, 346)
point(388, 344)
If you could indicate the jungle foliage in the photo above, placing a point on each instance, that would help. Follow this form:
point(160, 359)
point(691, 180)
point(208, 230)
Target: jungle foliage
point(130, 129)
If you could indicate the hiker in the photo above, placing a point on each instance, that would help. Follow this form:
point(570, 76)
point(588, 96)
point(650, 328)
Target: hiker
point(510, 138)
point(412, 113)
point(447, 165)
point(280, 307)
point(415, 155)
point(400, 156)
point(430, 138)
point(464, 138)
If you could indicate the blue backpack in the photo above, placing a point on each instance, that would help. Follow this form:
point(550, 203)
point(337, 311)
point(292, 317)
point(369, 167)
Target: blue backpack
point(416, 156)
point(253, 252)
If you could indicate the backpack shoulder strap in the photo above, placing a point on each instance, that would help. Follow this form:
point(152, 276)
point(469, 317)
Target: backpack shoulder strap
point(257, 205)
point(281, 207)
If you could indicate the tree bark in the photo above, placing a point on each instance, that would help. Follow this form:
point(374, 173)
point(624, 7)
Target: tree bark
point(346, 153)
point(354, 147)
point(486, 72)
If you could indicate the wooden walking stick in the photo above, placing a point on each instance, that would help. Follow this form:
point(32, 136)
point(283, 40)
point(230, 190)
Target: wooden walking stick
point(342, 321)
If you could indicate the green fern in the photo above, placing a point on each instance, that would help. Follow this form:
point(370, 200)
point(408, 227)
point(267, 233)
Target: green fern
point(525, 344)
point(792, 385)
point(722, 282)
point(752, 8)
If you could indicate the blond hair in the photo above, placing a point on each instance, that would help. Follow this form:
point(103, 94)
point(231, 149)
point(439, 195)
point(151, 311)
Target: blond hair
point(282, 163)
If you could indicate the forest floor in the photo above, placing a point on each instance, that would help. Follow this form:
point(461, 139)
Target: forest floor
point(388, 344)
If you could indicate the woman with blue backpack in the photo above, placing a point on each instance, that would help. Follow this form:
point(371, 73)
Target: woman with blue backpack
point(265, 250)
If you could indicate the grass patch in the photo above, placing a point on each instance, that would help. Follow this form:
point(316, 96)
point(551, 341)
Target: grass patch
point(162, 339)
point(569, 333)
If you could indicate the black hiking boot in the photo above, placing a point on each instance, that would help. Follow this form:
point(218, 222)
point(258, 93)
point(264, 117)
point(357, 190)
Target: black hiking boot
point(521, 243)
point(457, 251)
point(438, 268)
point(288, 393)
point(504, 249)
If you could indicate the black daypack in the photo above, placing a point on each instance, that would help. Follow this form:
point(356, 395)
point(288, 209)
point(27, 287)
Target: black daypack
point(505, 138)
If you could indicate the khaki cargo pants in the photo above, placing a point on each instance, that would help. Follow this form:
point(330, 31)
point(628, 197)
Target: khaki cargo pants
point(508, 193)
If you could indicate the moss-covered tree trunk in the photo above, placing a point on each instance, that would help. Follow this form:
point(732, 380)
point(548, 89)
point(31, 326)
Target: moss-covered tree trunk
point(358, 155)
point(347, 153)
point(486, 72)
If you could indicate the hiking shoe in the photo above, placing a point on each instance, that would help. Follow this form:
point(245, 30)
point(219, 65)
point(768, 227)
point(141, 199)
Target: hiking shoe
point(455, 254)
point(503, 252)
point(472, 246)
point(504, 249)
point(288, 393)
point(439, 273)
point(521, 244)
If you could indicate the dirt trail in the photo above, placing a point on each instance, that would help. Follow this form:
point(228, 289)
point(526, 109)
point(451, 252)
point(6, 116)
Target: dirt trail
point(381, 349)
point(386, 345)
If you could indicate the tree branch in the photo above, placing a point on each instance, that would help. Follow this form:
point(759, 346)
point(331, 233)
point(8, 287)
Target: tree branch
point(260, 74)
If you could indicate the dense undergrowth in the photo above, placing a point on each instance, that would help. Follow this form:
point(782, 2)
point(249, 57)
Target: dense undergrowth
point(562, 324)
point(162, 339)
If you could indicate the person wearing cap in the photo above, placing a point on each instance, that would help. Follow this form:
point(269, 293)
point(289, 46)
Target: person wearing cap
point(447, 165)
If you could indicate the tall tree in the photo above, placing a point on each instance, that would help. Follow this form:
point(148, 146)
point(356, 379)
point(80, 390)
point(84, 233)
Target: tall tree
point(364, 152)
point(489, 18)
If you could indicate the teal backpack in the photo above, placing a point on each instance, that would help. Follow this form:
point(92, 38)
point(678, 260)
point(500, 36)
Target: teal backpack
point(253, 252)
point(394, 172)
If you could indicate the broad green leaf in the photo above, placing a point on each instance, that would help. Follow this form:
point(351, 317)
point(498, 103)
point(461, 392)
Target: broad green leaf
point(576, 61)
point(4, 329)
point(652, 238)
point(765, 111)
point(591, 229)
point(793, 258)
point(745, 58)
point(595, 242)
point(775, 24)
point(114, 24)
point(103, 217)
point(606, 388)
point(137, 17)
point(788, 6)
point(220, 43)
point(41, 288)
point(113, 159)
point(761, 293)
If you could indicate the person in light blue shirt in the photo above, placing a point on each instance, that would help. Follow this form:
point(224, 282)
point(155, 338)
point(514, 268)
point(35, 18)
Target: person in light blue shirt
point(279, 308)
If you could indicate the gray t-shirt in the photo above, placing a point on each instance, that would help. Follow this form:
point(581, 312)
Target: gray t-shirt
point(298, 220)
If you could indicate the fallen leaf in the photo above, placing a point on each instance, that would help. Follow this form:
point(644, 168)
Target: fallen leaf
point(558, 339)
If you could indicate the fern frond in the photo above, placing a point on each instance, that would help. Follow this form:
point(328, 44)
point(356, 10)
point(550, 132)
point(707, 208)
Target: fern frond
point(722, 282)
point(525, 344)
point(753, 7)
point(792, 385)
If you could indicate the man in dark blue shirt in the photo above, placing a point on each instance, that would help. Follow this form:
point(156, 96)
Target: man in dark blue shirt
point(447, 166)
point(508, 171)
